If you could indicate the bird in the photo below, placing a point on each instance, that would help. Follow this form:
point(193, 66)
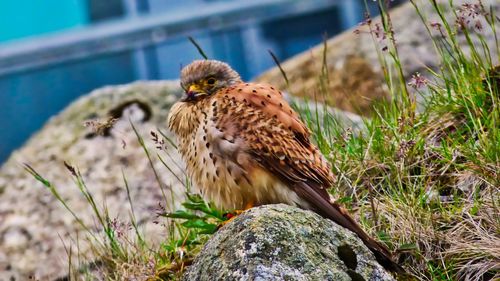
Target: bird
point(245, 146)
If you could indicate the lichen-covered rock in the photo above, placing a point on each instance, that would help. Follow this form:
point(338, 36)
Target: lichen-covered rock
point(34, 226)
point(280, 242)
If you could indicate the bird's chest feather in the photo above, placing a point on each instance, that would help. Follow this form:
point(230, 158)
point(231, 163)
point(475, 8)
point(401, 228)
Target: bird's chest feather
point(218, 163)
point(206, 154)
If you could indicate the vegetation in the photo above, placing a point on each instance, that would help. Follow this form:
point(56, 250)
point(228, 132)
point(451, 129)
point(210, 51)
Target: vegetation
point(426, 181)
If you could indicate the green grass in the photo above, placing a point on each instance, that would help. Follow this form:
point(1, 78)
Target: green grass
point(425, 182)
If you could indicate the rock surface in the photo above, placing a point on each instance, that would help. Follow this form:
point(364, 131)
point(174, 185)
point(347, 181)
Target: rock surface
point(34, 226)
point(355, 80)
point(280, 242)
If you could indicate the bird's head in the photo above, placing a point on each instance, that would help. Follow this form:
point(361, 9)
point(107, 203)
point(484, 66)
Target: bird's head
point(202, 78)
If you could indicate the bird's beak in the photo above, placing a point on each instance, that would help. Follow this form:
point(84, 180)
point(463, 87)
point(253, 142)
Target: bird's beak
point(192, 92)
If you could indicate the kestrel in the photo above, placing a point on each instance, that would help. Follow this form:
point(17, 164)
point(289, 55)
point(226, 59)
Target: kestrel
point(245, 146)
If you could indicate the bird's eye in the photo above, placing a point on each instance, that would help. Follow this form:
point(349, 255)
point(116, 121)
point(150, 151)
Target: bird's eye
point(211, 81)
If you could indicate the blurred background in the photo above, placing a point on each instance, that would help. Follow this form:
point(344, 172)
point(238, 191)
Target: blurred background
point(53, 51)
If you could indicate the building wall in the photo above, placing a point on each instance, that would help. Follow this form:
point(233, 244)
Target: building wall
point(24, 18)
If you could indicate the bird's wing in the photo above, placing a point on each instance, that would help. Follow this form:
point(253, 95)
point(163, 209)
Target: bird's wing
point(273, 134)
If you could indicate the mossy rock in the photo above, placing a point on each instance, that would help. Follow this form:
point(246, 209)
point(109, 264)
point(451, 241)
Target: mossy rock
point(280, 242)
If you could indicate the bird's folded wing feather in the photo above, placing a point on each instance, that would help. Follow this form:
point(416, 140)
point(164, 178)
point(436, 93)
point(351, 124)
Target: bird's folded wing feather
point(272, 133)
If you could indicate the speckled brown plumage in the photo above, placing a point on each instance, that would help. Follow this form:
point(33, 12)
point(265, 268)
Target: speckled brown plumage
point(244, 145)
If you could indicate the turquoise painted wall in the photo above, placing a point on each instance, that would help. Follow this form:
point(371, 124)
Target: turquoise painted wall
point(23, 18)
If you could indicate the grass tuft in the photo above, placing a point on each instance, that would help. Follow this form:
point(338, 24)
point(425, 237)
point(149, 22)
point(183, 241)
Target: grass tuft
point(198, 47)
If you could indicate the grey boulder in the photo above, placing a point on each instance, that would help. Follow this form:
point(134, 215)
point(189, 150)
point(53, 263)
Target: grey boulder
point(280, 242)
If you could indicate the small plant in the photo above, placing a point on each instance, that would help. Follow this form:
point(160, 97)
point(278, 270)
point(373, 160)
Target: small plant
point(199, 216)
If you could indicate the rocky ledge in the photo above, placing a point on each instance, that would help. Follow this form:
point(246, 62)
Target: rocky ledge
point(280, 242)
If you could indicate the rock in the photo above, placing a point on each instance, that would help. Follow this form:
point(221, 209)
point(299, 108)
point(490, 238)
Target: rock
point(354, 80)
point(348, 119)
point(15, 237)
point(352, 84)
point(280, 242)
point(34, 226)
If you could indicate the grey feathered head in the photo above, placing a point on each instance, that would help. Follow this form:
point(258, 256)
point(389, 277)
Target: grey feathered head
point(207, 76)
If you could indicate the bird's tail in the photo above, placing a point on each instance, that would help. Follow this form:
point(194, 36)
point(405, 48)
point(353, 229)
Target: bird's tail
point(339, 215)
point(382, 254)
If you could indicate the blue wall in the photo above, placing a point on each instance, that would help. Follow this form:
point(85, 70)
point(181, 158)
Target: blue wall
point(23, 18)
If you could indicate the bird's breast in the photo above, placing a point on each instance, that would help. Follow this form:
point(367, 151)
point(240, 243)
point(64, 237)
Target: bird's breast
point(183, 119)
point(218, 163)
